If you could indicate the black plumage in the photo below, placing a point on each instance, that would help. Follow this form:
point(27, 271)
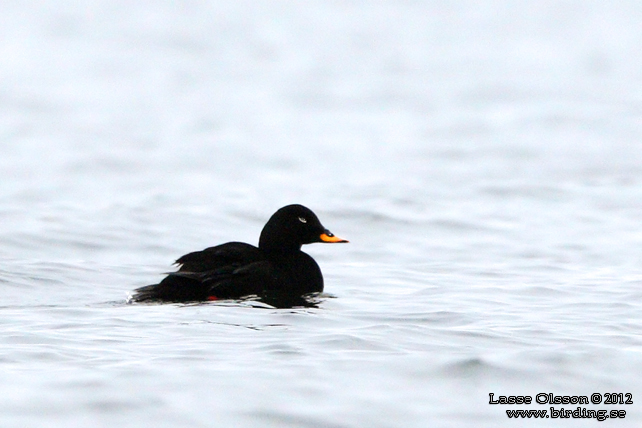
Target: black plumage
point(276, 271)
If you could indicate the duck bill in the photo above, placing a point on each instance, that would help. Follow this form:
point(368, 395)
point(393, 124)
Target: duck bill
point(327, 236)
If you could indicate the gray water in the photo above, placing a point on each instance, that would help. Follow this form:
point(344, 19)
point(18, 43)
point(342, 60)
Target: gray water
point(483, 158)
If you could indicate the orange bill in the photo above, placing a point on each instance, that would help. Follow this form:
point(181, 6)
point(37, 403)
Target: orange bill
point(327, 236)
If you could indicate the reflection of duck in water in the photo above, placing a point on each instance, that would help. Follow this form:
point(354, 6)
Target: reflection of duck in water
point(277, 271)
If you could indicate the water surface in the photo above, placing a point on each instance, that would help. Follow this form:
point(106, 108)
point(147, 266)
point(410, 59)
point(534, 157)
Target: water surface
point(483, 159)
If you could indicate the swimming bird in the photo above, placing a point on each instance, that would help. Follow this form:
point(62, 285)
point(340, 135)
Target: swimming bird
point(276, 271)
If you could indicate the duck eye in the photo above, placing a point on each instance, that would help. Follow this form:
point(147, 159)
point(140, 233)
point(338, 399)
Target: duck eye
point(303, 220)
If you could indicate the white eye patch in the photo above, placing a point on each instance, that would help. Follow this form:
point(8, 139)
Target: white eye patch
point(303, 220)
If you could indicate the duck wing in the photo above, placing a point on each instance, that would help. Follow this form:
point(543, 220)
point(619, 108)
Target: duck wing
point(226, 271)
point(221, 256)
